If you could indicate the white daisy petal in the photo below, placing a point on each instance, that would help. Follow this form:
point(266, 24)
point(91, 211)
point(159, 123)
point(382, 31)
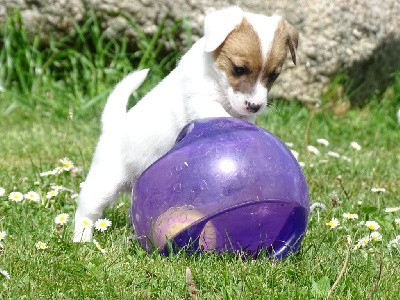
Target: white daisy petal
point(355, 146)
point(102, 224)
point(16, 196)
point(61, 219)
point(5, 274)
point(323, 142)
point(313, 150)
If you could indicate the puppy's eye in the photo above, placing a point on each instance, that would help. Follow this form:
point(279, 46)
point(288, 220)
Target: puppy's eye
point(240, 70)
point(273, 75)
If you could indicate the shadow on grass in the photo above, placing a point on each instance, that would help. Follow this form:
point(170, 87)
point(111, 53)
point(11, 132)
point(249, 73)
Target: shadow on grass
point(371, 77)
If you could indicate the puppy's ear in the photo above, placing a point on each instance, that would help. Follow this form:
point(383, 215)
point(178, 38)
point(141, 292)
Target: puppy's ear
point(292, 40)
point(219, 24)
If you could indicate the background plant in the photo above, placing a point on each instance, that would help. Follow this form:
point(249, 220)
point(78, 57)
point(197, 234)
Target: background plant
point(80, 68)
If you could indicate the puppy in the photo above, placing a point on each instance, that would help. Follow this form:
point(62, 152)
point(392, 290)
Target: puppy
point(227, 73)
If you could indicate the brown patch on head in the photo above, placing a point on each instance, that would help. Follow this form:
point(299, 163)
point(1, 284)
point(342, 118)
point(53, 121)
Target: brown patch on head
point(286, 36)
point(240, 57)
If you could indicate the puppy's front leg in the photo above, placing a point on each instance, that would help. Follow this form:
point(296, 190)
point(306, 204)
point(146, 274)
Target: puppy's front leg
point(101, 188)
point(207, 109)
point(213, 109)
point(91, 204)
point(97, 193)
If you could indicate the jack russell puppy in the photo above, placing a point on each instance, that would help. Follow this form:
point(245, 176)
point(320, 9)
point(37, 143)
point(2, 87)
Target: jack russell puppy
point(227, 73)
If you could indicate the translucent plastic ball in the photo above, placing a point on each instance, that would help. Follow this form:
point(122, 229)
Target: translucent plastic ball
point(226, 185)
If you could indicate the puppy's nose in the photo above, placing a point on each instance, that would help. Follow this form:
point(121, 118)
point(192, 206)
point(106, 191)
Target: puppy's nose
point(253, 108)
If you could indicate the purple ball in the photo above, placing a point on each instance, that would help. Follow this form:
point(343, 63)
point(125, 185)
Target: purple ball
point(226, 185)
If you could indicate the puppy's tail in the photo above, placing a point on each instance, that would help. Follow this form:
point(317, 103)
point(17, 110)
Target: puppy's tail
point(115, 108)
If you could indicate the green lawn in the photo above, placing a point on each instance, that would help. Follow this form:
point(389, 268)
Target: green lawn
point(344, 262)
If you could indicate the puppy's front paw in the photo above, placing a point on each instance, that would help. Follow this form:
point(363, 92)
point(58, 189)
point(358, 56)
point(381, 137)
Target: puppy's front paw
point(82, 234)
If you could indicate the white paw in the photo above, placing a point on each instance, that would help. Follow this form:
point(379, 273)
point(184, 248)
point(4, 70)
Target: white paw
point(83, 234)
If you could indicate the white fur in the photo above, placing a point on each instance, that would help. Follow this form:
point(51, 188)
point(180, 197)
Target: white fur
point(265, 27)
point(219, 24)
point(131, 141)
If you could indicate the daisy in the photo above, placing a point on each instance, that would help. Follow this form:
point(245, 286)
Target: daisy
point(61, 219)
point(295, 154)
point(49, 173)
point(323, 142)
point(32, 196)
point(5, 274)
point(41, 245)
point(392, 209)
point(290, 145)
point(313, 150)
point(2, 191)
point(3, 234)
point(397, 221)
point(376, 236)
point(345, 158)
point(333, 154)
point(355, 146)
point(317, 206)
point(350, 216)
point(372, 225)
point(51, 194)
point(66, 164)
point(16, 196)
point(395, 243)
point(362, 242)
point(333, 223)
point(98, 246)
point(102, 224)
point(57, 187)
point(44, 174)
point(378, 190)
point(86, 223)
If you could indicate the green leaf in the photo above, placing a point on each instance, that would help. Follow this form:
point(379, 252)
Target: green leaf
point(369, 209)
point(321, 287)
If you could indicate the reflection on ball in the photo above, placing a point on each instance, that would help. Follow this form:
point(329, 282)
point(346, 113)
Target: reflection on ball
point(175, 220)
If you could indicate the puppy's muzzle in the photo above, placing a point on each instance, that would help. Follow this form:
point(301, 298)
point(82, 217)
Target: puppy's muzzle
point(251, 107)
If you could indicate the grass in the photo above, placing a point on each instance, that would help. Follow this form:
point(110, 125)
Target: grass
point(56, 114)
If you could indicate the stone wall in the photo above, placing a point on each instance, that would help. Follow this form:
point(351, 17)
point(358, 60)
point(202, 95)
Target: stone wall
point(357, 37)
